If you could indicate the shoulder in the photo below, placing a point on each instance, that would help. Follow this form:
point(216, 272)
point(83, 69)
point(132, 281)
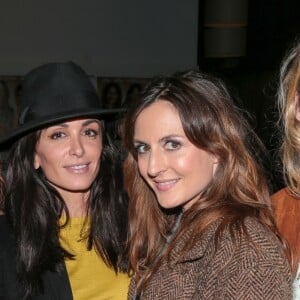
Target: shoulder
point(284, 196)
point(243, 262)
point(285, 204)
point(3, 220)
point(9, 286)
point(256, 248)
point(7, 241)
point(266, 243)
point(230, 238)
point(253, 261)
point(238, 250)
point(287, 209)
point(5, 230)
point(256, 240)
point(280, 194)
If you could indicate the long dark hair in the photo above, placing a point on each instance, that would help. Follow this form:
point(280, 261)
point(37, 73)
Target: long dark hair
point(238, 190)
point(33, 208)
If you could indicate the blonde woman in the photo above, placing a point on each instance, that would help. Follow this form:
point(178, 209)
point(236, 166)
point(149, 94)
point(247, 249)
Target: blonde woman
point(287, 201)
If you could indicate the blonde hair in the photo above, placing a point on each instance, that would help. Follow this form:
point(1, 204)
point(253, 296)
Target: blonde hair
point(287, 94)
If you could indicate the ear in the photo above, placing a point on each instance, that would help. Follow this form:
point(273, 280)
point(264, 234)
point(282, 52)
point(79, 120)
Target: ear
point(36, 162)
point(215, 161)
point(297, 106)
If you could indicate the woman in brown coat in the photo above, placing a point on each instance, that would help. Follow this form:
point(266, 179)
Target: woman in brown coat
point(200, 215)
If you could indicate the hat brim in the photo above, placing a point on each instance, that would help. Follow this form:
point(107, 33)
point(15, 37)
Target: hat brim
point(22, 130)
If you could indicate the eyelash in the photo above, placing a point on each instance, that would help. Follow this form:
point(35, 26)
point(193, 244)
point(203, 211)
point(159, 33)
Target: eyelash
point(56, 135)
point(92, 133)
point(169, 145)
point(139, 147)
point(174, 145)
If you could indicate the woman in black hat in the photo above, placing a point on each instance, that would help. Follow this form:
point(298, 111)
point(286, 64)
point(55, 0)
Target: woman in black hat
point(64, 232)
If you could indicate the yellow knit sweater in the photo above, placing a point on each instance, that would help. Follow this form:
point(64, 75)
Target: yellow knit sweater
point(90, 277)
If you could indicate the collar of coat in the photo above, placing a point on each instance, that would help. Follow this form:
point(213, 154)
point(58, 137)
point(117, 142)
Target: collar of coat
point(203, 245)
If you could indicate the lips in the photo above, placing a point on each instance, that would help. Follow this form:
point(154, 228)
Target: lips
point(77, 168)
point(165, 185)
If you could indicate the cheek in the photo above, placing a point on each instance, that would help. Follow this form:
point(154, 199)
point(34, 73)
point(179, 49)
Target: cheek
point(97, 151)
point(201, 166)
point(207, 169)
point(185, 164)
point(93, 147)
point(46, 162)
point(49, 159)
point(142, 167)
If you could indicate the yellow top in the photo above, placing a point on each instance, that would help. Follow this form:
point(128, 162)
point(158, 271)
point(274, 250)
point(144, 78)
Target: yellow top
point(90, 277)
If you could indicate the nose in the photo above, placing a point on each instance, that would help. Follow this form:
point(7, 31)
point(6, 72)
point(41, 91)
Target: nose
point(157, 163)
point(76, 146)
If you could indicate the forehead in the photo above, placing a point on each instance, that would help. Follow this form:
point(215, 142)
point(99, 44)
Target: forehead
point(76, 122)
point(160, 118)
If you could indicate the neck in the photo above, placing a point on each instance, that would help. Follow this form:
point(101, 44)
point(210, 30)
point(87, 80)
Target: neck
point(76, 203)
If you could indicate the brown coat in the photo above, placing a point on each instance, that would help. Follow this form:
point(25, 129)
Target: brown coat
point(255, 270)
point(287, 213)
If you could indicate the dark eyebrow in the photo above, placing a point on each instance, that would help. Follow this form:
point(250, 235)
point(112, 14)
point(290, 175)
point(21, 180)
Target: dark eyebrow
point(58, 125)
point(88, 122)
point(168, 137)
point(85, 123)
point(163, 139)
point(138, 141)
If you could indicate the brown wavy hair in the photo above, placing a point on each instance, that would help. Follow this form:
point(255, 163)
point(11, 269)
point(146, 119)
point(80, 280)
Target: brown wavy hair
point(238, 190)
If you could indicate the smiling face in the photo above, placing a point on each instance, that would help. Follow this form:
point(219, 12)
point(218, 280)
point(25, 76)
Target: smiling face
point(175, 169)
point(69, 155)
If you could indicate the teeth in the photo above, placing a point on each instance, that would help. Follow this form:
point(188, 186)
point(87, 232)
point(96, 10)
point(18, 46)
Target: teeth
point(78, 167)
point(167, 182)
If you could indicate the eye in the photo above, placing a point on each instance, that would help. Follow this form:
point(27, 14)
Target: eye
point(172, 145)
point(141, 148)
point(91, 132)
point(57, 135)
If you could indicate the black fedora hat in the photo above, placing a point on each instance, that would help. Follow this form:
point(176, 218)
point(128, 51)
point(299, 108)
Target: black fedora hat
point(55, 92)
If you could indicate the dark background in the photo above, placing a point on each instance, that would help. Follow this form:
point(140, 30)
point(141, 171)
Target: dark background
point(139, 39)
point(273, 27)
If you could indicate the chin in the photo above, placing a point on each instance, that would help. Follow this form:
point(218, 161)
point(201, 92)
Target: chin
point(79, 188)
point(167, 205)
point(80, 185)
